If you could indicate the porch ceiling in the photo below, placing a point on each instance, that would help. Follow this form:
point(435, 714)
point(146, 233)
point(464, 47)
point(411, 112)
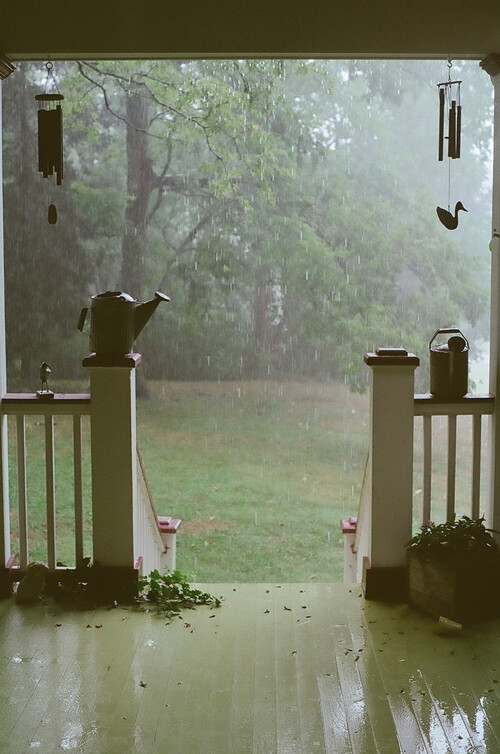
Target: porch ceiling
point(278, 668)
point(157, 28)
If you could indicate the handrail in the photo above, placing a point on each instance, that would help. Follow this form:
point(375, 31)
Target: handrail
point(427, 404)
point(148, 542)
point(60, 404)
point(363, 510)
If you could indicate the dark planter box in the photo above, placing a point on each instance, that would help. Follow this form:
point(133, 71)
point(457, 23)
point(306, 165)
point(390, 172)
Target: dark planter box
point(467, 591)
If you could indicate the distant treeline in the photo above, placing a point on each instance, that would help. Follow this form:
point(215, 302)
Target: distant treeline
point(286, 207)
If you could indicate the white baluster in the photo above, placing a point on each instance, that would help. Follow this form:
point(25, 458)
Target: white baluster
point(21, 490)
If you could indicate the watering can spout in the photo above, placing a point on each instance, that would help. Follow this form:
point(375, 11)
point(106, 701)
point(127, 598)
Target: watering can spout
point(143, 311)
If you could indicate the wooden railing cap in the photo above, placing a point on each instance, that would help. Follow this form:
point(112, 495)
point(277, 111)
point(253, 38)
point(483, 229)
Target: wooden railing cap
point(391, 357)
point(129, 360)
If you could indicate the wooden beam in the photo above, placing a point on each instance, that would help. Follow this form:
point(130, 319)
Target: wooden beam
point(251, 28)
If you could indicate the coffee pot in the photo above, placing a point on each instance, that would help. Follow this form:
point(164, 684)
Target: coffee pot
point(116, 319)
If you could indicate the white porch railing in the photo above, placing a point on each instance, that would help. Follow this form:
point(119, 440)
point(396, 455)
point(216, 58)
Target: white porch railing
point(152, 537)
point(22, 406)
point(387, 515)
point(475, 406)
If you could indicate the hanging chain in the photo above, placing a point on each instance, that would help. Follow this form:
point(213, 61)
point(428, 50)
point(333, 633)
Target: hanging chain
point(50, 79)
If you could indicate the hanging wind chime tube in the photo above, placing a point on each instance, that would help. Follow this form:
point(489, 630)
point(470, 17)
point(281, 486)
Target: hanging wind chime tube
point(50, 145)
point(441, 124)
point(450, 106)
point(454, 119)
point(50, 138)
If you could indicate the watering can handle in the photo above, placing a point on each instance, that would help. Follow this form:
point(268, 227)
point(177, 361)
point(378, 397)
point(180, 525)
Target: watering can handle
point(81, 319)
point(449, 330)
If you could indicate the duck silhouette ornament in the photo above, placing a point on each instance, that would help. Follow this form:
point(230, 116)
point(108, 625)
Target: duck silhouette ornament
point(450, 221)
point(450, 126)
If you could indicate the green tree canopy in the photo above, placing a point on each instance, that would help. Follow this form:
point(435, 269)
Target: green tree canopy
point(287, 207)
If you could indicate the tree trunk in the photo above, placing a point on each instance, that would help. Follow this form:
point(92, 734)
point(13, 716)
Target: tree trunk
point(260, 316)
point(139, 188)
point(140, 183)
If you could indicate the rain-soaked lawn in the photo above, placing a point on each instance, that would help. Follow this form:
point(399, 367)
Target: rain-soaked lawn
point(259, 472)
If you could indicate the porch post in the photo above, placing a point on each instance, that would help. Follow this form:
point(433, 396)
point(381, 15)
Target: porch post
point(5, 581)
point(391, 470)
point(491, 64)
point(114, 473)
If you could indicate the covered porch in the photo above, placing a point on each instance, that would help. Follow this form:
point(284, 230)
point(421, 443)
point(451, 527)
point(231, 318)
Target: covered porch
point(277, 668)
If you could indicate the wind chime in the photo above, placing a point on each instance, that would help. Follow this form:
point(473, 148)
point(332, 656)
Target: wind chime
point(449, 105)
point(50, 142)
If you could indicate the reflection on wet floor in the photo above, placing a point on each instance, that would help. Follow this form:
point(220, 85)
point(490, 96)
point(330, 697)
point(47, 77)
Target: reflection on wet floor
point(277, 668)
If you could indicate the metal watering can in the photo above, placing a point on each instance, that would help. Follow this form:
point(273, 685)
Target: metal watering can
point(116, 319)
point(449, 364)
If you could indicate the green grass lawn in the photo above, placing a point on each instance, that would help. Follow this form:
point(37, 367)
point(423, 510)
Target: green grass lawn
point(260, 473)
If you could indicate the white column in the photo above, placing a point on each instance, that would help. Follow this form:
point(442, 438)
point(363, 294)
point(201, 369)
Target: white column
point(491, 64)
point(391, 450)
point(114, 460)
point(4, 480)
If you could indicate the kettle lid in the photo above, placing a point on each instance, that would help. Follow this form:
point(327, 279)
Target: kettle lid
point(456, 343)
point(115, 295)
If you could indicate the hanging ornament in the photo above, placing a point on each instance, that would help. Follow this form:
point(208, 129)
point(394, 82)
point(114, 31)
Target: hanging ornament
point(50, 139)
point(450, 116)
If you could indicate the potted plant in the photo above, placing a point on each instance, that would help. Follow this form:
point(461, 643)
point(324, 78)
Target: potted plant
point(454, 570)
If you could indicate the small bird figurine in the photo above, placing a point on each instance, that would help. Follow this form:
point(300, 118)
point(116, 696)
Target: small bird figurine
point(45, 370)
point(450, 221)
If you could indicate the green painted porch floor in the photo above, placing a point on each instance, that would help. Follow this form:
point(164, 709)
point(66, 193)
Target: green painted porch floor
point(278, 668)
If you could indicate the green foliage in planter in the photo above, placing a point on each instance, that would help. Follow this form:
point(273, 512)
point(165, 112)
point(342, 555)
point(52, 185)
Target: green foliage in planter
point(171, 592)
point(456, 540)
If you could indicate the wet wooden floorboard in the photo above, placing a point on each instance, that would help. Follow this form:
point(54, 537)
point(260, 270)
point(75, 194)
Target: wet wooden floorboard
point(279, 668)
